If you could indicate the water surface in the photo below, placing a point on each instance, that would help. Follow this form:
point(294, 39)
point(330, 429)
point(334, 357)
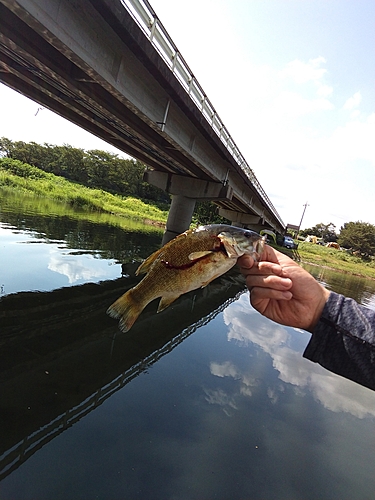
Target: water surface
point(205, 400)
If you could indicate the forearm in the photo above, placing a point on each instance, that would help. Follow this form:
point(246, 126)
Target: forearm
point(343, 340)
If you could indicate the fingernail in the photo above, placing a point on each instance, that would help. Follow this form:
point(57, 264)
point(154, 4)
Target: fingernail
point(287, 282)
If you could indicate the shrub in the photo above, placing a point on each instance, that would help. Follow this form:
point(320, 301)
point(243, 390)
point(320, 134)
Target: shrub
point(21, 169)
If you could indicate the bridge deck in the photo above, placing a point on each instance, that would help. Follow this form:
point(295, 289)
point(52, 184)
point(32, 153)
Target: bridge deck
point(93, 63)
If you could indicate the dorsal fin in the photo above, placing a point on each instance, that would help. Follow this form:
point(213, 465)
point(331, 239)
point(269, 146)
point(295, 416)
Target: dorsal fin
point(147, 263)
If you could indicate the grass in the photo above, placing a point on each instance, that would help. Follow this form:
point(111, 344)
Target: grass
point(336, 259)
point(30, 179)
point(22, 178)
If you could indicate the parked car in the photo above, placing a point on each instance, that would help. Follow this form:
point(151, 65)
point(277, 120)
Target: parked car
point(289, 243)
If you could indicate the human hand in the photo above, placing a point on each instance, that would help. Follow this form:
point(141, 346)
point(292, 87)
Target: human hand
point(282, 290)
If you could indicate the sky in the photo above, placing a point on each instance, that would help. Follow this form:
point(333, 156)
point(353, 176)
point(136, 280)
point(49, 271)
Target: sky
point(294, 83)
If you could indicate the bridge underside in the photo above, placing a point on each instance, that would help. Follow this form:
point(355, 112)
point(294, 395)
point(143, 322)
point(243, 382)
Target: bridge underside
point(89, 62)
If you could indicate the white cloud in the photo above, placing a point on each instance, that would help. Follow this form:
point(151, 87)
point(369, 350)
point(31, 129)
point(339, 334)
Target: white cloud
point(324, 90)
point(294, 104)
point(354, 101)
point(301, 72)
point(292, 116)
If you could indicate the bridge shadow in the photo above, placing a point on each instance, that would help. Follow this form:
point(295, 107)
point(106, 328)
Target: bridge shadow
point(61, 356)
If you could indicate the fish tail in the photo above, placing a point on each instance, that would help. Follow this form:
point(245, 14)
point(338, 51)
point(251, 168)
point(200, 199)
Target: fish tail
point(127, 309)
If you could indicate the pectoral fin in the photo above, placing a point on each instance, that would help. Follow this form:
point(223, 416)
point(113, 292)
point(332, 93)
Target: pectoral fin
point(199, 255)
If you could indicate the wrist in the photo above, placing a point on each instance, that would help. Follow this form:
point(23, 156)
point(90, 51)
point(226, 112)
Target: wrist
point(319, 309)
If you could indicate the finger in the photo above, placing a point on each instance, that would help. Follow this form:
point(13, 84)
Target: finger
point(271, 281)
point(246, 262)
point(262, 268)
point(270, 254)
point(259, 294)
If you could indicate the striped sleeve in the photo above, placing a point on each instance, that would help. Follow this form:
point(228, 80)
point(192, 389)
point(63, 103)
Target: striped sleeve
point(343, 340)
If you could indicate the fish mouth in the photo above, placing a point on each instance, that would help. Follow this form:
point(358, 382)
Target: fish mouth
point(257, 244)
point(238, 243)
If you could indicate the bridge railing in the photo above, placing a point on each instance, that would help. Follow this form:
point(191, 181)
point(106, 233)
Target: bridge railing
point(147, 20)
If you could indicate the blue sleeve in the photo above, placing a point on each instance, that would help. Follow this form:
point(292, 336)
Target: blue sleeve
point(343, 340)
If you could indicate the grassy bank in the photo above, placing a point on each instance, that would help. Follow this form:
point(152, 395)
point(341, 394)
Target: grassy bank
point(24, 178)
point(336, 259)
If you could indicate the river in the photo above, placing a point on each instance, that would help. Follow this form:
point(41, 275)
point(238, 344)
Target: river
point(205, 400)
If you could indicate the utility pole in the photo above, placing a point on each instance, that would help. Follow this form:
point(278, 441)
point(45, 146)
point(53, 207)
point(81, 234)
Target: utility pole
point(303, 213)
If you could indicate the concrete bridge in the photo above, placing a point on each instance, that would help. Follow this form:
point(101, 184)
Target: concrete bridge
point(110, 67)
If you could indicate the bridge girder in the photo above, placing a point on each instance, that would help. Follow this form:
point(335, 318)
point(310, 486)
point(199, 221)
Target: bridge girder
point(90, 62)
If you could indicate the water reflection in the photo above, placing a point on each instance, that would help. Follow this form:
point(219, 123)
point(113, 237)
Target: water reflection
point(57, 367)
point(285, 348)
point(358, 288)
point(233, 411)
point(76, 269)
point(65, 249)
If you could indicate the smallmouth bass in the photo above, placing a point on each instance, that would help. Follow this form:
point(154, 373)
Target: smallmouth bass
point(190, 261)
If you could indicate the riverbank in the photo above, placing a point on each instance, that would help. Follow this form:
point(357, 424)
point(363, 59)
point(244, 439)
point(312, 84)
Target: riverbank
point(338, 260)
point(35, 181)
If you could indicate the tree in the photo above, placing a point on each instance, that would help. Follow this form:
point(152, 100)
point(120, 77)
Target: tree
point(206, 212)
point(65, 161)
point(325, 231)
point(94, 168)
point(359, 236)
point(6, 146)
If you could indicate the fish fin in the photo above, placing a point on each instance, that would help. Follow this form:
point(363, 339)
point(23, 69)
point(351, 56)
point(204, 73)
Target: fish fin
point(211, 279)
point(147, 263)
point(126, 309)
point(166, 301)
point(199, 255)
point(229, 243)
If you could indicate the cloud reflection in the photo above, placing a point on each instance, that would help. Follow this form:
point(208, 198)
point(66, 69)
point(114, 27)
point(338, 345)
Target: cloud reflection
point(246, 326)
point(221, 398)
point(76, 268)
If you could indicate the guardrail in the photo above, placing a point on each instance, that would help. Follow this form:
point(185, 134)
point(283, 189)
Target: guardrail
point(147, 20)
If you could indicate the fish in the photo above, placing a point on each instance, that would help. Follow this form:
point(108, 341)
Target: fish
point(190, 261)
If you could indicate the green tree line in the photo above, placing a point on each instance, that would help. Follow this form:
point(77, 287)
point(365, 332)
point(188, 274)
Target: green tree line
point(359, 237)
point(96, 169)
point(107, 171)
point(93, 168)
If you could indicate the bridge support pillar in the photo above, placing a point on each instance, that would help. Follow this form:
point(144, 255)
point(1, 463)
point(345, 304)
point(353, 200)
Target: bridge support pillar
point(185, 192)
point(179, 217)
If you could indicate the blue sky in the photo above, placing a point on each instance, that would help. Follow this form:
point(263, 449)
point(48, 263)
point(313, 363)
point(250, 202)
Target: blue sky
point(294, 83)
